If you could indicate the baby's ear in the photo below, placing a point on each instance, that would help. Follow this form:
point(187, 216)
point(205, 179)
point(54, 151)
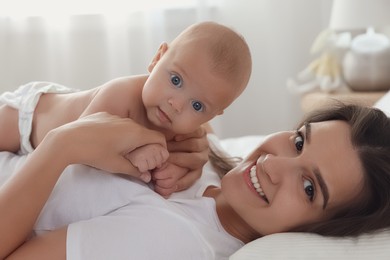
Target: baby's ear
point(220, 112)
point(160, 52)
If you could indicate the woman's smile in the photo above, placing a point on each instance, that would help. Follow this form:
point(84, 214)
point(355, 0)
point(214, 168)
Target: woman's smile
point(252, 180)
point(269, 189)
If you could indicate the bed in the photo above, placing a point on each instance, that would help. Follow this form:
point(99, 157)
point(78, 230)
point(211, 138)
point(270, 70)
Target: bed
point(284, 246)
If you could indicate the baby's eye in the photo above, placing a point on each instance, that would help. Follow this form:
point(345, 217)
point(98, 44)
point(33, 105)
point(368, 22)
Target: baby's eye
point(197, 106)
point(176, 80)
point(309, 189)
point(298, 141)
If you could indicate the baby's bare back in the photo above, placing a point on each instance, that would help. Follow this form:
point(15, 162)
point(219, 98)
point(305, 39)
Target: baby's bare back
point(54, 110)
point(121, 97)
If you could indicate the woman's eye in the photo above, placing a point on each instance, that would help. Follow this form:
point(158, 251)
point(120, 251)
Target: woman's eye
point(309, 189)
point(298, 141)
point(197, 106)
point(176, 80)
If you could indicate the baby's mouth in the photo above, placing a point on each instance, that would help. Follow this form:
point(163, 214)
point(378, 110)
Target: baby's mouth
point(163, 116)
point(256, 183)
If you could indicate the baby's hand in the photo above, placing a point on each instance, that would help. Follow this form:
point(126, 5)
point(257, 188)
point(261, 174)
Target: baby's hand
point(148, 157)
point(168, 179)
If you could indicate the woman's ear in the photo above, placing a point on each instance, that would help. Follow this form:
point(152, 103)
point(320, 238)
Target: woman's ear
point(160, 52)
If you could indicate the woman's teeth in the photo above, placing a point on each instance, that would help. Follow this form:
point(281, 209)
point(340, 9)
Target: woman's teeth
point(255, 182)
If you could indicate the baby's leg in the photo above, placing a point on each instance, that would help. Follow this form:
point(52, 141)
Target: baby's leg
point(148, 157)
point(9, 129)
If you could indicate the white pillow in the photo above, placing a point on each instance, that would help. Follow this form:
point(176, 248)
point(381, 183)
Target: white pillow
point(284, 246)
point(241, 146)
point(384, 103)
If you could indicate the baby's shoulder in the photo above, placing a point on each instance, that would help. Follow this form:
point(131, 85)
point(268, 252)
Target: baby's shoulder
point(127, 84)
point(121, 96)
point(123, 88)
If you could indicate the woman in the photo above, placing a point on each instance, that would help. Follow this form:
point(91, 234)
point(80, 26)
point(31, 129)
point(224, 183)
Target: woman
point(331, 176)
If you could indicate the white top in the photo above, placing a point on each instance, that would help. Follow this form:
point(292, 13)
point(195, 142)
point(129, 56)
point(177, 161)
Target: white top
point(112, 217)
point(125, 219)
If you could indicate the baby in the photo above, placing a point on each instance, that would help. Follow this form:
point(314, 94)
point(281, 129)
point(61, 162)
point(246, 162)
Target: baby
point(190, 81)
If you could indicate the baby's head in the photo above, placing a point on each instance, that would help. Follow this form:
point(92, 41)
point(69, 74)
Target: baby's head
point(228, 53)
point(197, 76)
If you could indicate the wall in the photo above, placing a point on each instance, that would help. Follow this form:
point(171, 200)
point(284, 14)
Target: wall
point(93, 50)
point(280, 34)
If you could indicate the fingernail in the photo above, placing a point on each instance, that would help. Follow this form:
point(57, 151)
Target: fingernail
point(146, 177)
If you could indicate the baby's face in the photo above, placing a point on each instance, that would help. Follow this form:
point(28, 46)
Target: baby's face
point(182, 92)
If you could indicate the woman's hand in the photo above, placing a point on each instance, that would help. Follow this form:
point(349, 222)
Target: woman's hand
point(102, 140)
point(188, 154)
point(99, 140)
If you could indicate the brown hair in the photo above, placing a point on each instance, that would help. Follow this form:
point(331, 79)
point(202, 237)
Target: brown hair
point(370, 136)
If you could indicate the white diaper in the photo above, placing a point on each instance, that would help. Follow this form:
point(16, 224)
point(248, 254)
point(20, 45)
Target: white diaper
point(25, 99)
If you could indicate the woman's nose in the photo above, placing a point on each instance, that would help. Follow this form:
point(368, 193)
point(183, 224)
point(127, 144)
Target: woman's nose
point(279, 168)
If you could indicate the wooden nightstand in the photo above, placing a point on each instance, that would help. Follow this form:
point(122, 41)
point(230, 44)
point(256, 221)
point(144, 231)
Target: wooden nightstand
point(315, 100)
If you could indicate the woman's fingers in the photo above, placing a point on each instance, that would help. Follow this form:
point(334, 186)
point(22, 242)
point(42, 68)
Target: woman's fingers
point(191, 161)
point(189, 151)
point(194, 142)
point(102, 140)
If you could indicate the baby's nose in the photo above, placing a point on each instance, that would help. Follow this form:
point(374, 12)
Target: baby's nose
point(176, 103)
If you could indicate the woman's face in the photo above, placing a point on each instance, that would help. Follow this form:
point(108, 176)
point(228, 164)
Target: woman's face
point(298, 177)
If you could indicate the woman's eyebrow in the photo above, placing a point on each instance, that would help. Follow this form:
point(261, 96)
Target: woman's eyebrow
point(316, 171)
point(323, 187)
point(307, 131)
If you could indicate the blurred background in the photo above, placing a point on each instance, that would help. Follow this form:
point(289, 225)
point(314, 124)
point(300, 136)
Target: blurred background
point(84, 43)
